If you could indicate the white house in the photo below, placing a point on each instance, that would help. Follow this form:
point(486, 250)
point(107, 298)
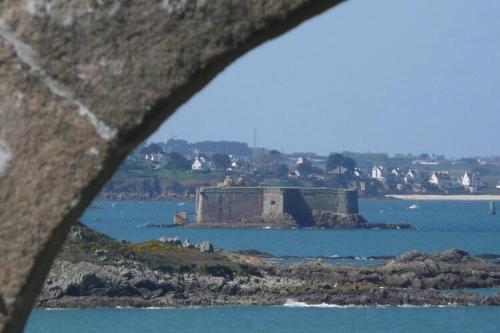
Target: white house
point(200, 164)
point(471, 181)
point(396, 172)
point(412, 177)
point(153, 157)
point(300, 160)
point(357, 172)
point(442, 180)
point(234, 163)
point(378, 172)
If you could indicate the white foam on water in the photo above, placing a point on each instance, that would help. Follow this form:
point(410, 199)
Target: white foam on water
point(290, 303)
point(147, 308)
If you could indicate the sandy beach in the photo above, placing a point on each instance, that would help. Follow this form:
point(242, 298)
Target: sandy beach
point(457, 197)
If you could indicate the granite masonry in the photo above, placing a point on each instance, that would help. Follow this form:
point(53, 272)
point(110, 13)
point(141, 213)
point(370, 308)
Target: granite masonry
point(277, 206)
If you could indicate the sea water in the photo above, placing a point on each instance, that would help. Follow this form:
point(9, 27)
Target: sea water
point(295, 318)
point(437, 226)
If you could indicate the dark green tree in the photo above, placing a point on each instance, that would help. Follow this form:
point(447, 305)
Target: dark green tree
point(221, 161)
point(176, 161)
point(265, 163)
point(423, 156)
point(152, 148)
point(282, 171)
point(348, 163)
point(276, 156)
point(334, 162)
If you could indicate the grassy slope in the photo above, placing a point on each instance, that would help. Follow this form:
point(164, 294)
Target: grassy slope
point(156, 255)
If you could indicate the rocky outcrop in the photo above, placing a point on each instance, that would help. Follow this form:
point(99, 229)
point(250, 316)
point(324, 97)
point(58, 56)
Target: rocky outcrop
point(128, 186)
point(412, 279)
point(170, 272)
point(331, 220)
point(321, 219)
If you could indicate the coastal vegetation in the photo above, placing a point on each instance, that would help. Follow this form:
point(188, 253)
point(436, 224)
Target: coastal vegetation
point(86, 245)
point(96, 270)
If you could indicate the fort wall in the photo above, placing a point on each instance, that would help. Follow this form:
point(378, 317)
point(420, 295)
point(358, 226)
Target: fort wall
point(216, 205)
point(273, 201)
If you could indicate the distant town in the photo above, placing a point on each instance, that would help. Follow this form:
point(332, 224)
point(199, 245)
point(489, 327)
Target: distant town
point(176, 167)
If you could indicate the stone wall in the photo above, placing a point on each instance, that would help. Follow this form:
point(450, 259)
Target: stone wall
point(216, 205)
point(340, 201)
point(233, 204)
point(298, 207)
point(348, 202)
point(273, 202)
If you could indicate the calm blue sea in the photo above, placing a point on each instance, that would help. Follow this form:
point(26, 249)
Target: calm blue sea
point(268, 319)
point(438, 225)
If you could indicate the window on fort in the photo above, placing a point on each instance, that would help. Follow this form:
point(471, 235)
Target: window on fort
point(273, 202)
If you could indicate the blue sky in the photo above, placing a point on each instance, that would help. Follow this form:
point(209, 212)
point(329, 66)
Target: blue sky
point(379, 76)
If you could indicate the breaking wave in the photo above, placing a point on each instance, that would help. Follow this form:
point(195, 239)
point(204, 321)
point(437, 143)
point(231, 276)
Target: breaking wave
point(290, 303)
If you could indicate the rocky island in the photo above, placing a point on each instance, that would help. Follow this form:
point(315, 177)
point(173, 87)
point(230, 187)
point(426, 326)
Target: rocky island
point(281, 207)
point(95, 270)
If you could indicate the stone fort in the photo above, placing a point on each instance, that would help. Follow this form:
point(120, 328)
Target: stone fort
point(280, 205)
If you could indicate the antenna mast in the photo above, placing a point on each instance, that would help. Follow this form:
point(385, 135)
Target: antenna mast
point(254, 136)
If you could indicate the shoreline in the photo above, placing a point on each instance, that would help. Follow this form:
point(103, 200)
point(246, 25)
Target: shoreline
point(290, 304)
point(445, 197)
point(94, 270)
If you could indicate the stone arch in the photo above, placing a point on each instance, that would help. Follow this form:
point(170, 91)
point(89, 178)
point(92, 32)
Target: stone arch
point(81, 84)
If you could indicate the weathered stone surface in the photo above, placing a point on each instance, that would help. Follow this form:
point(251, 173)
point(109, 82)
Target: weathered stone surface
point(81, 83)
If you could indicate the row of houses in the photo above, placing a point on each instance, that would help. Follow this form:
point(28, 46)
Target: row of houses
point(384, 175)
point(199, 163)
point(299, 167)
point(470, 181)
